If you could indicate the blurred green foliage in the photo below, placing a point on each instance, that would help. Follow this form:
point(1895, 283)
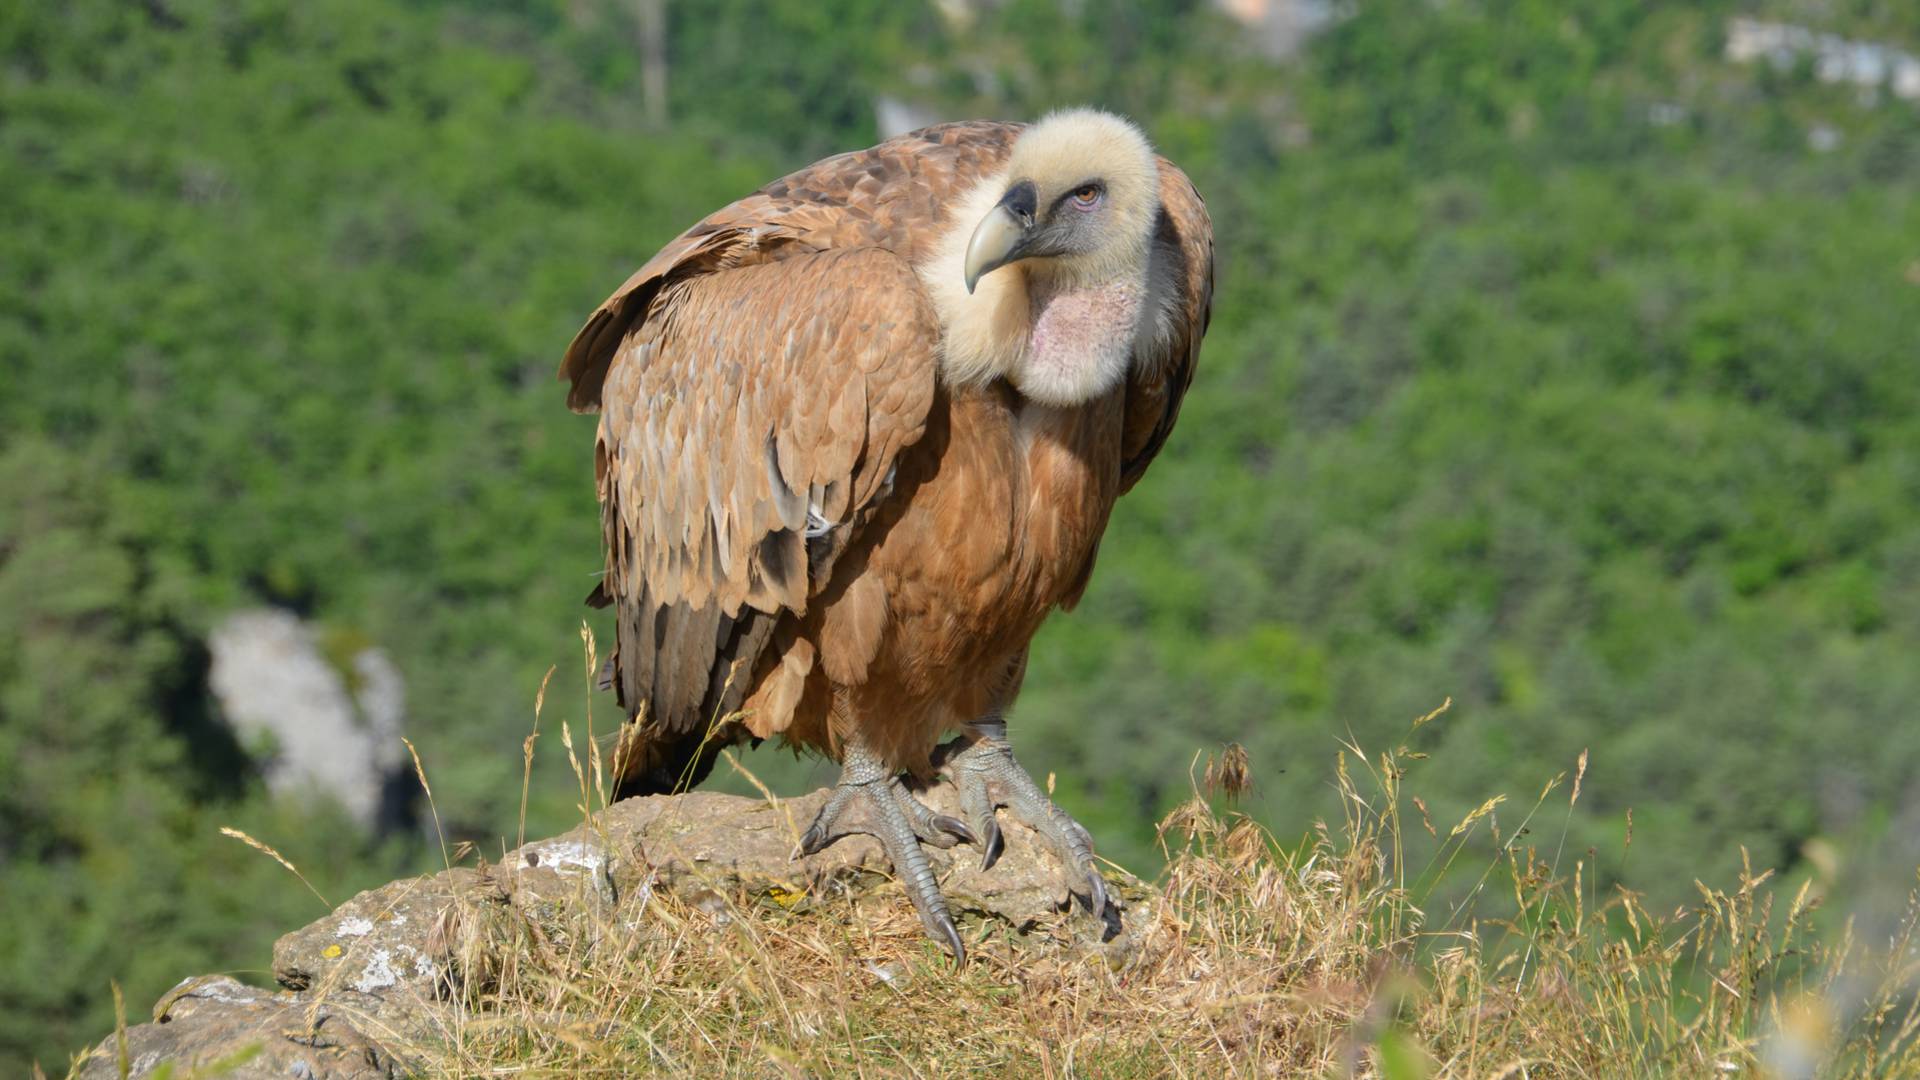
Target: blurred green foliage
point(1551, 370)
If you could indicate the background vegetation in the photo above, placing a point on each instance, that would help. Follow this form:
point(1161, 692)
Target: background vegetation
point(1556, 367)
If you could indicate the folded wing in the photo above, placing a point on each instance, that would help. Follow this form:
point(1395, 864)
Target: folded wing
point(748, 425)
point(1183, 261)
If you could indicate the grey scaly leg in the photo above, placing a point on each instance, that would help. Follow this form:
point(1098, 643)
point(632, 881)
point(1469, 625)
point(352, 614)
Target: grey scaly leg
point(986, 768)
point(901, 823)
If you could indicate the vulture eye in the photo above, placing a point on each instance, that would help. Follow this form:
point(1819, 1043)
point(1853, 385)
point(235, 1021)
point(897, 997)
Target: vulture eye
point(1087, 196)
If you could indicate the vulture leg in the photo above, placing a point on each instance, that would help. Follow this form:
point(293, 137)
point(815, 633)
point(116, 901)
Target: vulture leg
point(901, 823)
point(987, 764)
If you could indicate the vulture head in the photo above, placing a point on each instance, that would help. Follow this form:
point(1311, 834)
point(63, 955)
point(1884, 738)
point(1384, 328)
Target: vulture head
point(1053, 255)
point(1081, 192)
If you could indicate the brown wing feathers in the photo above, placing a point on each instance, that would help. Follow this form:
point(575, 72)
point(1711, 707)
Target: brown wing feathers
point(887, 197)
point(749, 398)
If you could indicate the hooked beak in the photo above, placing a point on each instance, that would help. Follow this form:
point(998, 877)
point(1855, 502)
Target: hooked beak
point(1003, 235)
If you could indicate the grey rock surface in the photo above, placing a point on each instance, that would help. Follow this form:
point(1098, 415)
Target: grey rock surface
point(381, 971)
point(321, 732)
point(218, 1026)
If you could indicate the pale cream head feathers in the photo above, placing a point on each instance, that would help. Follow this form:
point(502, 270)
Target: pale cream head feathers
point(1070, 148)
point(1071, 217)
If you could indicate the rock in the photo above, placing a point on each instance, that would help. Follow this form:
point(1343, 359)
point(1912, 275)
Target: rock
point(1280, 29)
point(390, 960)
point(227, 1029)
point(897, 116)
point(277, 691)
point(1868, 65)
point(377, 944)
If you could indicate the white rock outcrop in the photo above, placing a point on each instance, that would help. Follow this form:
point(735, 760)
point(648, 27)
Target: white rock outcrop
point(321, 732)
point(1868, 65)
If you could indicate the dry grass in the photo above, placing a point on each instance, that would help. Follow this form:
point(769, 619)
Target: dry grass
point(1333, 958)
point(1262, 960)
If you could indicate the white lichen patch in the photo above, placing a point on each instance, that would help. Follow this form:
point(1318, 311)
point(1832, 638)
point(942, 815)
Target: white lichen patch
point(354, 927)
point(387, 966)
point(219, 992)
point(379, 973)
point(562, 856)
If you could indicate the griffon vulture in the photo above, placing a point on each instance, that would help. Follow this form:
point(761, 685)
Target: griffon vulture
point(860, 432)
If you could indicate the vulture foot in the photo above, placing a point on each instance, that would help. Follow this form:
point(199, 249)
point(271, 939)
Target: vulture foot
point(901, 823)
point(989, 777)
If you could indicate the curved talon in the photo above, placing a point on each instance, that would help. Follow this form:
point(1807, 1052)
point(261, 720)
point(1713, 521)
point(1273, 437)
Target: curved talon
point(940, 830)
point(949, 935)
point(955, 828)
point(820, 835)
point(1096, 893)
point(814, 841)
point(996, 843)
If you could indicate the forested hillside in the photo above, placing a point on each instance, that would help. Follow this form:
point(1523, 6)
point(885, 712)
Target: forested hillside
point(1560, 365)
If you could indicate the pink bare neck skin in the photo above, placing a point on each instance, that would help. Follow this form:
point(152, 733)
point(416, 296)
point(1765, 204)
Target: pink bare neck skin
point(1082, 337)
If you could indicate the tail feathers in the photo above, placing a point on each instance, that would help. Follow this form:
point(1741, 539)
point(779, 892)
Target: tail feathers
point(665, 763)
point(682, 675)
